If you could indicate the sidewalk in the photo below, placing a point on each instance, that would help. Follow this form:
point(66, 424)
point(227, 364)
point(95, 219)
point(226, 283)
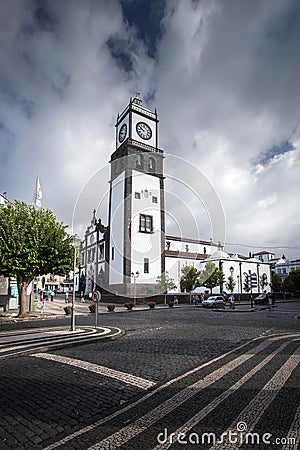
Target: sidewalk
point(55, 309)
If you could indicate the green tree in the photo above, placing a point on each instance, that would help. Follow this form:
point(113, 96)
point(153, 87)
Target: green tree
point(292, 282)
point(247, 282)
point(211, 276)
point(276, 283)
point(288, 284)
point(164, 283)
point(295, 276)
point(230, 284)
point(189, 278)
point(32, 243)
point(263, 281)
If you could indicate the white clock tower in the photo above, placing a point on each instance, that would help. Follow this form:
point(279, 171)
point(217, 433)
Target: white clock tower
point(136, 206)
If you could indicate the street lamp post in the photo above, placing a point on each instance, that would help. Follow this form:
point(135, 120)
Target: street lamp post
point(134, 276)
point(73, 328)
point(250, 277)
point(231, 270)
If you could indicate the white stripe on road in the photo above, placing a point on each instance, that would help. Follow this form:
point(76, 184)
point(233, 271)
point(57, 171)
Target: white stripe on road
point(255, 409)
point(167, 385)
point(125, 434)
point(100, 370)
point(191, 423)
point(293, 436)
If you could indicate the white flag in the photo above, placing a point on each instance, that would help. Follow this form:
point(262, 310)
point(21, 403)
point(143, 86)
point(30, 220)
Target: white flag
point(38, 194)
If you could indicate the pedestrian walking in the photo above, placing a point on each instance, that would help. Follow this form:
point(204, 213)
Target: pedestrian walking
point(43, 302)
point(202, 297)
point(231, 302)
point(270, 301)
point(66, 297)
point(51, 296)
point(196, 300)
point(175, 299)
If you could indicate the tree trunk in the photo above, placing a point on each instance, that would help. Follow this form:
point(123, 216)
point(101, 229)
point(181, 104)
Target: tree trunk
point(22, 290)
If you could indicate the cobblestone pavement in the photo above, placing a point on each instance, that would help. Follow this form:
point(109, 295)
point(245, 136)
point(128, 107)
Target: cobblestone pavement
point(171, 373)
point(17, 343)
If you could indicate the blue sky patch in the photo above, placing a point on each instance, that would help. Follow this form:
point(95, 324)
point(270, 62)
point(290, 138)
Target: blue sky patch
point(118, 51)
point(146, 16)
point(280, 149)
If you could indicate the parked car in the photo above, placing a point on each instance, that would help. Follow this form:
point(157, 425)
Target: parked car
point(215, 301)
point(261, 299)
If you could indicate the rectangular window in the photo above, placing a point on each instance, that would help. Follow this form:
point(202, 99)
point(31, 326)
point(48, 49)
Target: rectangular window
point(101, 252)
point(154, 199)
point(137, 195)
point(146, 265)
point(112, 253)
point(146, 223)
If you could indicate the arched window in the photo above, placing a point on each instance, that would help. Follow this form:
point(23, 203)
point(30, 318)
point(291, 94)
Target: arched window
point(151, 164)
point(139, 161)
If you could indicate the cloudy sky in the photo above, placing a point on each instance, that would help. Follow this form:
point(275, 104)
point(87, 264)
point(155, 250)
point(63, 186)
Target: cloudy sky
point(224, 77)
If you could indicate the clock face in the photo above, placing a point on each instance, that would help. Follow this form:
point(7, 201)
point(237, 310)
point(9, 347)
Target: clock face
point(92, 239)
point(143, 130)
point(122, 132)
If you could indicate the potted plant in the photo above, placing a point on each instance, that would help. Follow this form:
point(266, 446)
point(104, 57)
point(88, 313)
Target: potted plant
point(110, 307)
point(92, 307)
point(151, 305)
point(171, 304)
point(129, 305)
point(68, 309)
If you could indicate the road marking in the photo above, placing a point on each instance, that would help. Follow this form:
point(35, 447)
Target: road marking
point(294, 433)
point(125, 434)
point(193, 421)
point(255, 409)
point(100, 422)
point(100, 370)
point(45, 343)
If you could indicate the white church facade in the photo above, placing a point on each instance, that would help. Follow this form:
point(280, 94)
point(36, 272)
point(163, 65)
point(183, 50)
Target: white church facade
point(128, 255)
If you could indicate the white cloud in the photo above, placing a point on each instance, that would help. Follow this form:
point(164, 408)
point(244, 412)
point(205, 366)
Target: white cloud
point(225, 85)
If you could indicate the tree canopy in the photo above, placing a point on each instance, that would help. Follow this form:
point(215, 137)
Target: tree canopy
point(276, 283)
point(32, 243)
point(292, 282)
point(189, 279)
point(230, 283)
point(164, 283)
point(211, 276)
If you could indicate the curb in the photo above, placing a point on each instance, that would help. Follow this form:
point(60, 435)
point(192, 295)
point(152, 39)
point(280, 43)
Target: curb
point(236, 310)
point(70, 341)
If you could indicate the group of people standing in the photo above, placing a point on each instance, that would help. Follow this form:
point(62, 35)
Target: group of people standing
point(198, 299)
point(46, 294)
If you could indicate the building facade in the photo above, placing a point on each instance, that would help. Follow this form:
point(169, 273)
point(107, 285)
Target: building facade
point(284, 266)
point(128, 255)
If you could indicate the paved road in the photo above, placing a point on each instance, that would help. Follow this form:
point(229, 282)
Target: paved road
point(184, 370)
